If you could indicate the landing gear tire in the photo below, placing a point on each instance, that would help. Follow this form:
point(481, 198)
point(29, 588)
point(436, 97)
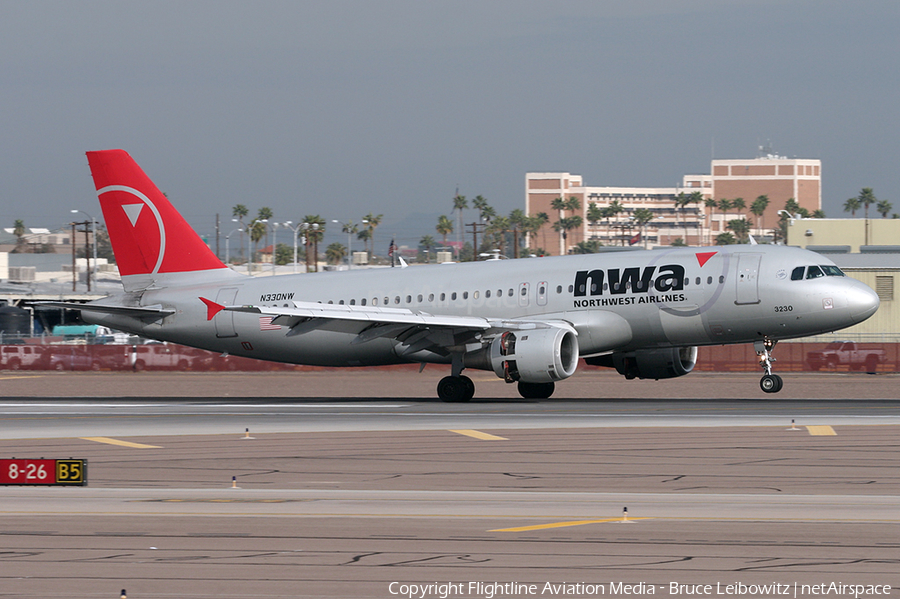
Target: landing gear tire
point(536, 390)
point(771, 383)
point(456, 389)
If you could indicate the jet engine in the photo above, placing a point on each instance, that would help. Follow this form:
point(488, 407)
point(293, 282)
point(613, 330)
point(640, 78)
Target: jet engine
point(530, 356)
point(650, 363)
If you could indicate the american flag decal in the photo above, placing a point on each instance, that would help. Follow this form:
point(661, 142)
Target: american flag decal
point(265, 324)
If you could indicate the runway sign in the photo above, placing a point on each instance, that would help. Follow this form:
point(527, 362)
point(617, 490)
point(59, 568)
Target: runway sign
point(43, 472)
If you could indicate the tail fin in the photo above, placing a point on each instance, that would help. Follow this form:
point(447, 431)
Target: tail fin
point(153, 244)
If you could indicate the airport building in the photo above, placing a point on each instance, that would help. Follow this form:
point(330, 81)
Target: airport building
point(776, 177)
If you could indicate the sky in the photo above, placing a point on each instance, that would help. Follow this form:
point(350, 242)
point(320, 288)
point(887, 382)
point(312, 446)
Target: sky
point(340, 108)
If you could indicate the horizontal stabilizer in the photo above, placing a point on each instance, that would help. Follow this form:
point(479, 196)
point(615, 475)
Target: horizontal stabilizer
point(146, 312)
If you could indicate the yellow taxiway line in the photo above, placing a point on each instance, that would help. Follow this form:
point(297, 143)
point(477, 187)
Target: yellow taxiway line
point(480, 435)
point(119, 442)
point(564, 524)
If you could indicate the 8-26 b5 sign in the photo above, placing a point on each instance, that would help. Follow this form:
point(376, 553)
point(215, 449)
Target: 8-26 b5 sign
point(43, 472)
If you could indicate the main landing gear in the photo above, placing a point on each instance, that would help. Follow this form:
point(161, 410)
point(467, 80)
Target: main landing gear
point(770, 383)
point(456, 389)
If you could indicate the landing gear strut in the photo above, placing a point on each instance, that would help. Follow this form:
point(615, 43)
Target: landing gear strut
point(769, 383)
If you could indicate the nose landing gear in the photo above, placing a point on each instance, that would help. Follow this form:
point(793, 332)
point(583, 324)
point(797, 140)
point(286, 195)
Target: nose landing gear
point(769, 383)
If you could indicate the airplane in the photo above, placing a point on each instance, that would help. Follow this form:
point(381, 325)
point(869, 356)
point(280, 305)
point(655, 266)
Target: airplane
point(529, 321)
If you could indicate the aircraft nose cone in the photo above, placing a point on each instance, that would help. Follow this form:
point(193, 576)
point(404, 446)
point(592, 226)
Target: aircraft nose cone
point(863, 302)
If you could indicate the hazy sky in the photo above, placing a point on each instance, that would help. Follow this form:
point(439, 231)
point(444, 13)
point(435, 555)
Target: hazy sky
point(340, 108)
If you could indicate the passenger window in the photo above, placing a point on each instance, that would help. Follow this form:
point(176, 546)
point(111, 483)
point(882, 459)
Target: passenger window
point(797, 273)
point(341, 302)
point(453, 295)
point(571, 288)
point(487, 294)
point(721, 279)
point(697, 281)
point(559, 289)
point(443, 296)
point(814, 272)
point(465, 295)
point(430, 297)
point(511, 293)
point(709, 280)
point(362, 302)
point(474, 295)
point(353, 302)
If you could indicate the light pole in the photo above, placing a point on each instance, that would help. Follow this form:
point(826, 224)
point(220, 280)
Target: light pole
point(91, 271)
point(295, 230)
point(227, 253)
point(274, 245)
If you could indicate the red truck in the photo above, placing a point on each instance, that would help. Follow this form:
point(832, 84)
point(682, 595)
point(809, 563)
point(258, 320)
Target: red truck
point(846, 353)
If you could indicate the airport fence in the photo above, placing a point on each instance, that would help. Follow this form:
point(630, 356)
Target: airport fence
point(49, 353)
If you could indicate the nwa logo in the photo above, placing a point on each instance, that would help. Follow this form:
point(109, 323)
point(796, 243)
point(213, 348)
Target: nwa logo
point(669, 278)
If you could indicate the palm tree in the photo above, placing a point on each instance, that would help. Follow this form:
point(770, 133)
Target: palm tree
point(852, 205)
point(758, 209)
point(239, 212)
point(726, 238)
point(364, 235)
point(518, 222)
point(738, 204)
point(587, 247)
point(594, 216)
point(724, 205)
point(499, 227)
point(711, 205)
point(444, 227)
point(265, 214)
point(19, 232)
point(371, 221)
point(884, 207)
point(740, 227)
point(314, 226)
point(459, 204)
point(484, 209)
point(540, 219)
point(792, 206)
point(257, 232)
point(564, 225)
point(427, 243)
point(335, 253)
point(642, 216)
point(866, 198)
point(614, 209)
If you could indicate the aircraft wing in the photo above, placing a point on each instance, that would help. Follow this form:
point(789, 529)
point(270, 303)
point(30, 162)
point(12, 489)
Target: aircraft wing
point(416, 330)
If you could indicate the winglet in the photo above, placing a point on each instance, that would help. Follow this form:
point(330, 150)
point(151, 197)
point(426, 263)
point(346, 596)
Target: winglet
point(212, 308)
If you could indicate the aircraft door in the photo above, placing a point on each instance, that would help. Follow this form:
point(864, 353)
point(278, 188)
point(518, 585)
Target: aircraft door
point(542, 293)
point(225, 320)
point(747, 280)
point(523, 295)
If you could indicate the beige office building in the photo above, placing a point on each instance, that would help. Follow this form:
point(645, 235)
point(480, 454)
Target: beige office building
point(778, 178)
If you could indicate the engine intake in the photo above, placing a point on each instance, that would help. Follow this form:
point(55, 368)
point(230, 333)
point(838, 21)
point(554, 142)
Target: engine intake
point(535, 356)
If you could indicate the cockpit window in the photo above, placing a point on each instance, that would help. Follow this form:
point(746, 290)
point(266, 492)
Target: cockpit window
point(832, 271)
point(814, 272)
point(797, 273)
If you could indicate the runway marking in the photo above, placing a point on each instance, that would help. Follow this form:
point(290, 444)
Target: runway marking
point(479, 435)
point(118, 442)
point(563, 524)
point(823, 430)
point(32, 376)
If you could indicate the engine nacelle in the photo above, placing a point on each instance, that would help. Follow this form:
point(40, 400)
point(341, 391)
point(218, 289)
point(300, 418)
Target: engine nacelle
point(535, 356)
point(650, 363)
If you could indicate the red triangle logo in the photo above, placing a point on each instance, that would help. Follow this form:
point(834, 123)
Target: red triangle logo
point(703, 257)
point(212, 308)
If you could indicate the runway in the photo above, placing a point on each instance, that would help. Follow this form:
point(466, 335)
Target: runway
point(343, 496)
